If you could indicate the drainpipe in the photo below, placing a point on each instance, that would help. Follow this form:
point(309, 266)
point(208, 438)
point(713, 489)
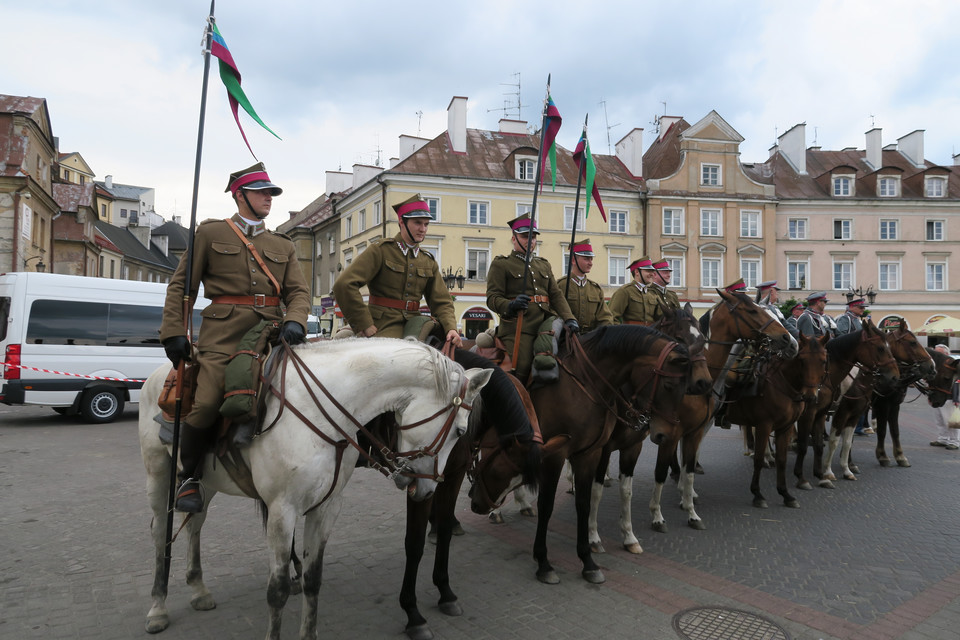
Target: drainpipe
point(383, 205)
point(643, 219)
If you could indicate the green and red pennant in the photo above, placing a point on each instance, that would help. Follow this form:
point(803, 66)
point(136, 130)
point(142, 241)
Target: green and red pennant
point(552, 121)
point(584, 161)
point(230, 76)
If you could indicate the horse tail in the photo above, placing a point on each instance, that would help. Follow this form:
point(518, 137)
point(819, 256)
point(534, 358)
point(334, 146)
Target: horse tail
point(263, 511)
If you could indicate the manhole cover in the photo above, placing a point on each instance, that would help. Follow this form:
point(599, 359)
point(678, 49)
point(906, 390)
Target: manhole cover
point(720, 623)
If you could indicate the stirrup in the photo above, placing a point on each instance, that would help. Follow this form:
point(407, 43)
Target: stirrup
point(190, 498)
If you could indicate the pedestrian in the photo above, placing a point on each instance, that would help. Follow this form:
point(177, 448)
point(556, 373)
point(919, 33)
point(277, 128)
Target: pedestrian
point(585, 296)
point(946, 437)
point(250, 274)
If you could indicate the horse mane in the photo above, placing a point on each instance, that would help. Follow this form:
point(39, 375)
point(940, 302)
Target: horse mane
point(705, 322)
point(624, 338)
point(843, 346)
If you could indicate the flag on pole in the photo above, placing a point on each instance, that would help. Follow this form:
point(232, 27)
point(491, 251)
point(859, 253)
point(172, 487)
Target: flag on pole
point(551, 127)
point(230, 76)
point(584, 161)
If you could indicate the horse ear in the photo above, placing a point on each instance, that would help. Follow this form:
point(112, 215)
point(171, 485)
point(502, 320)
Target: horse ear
point(903, 324)
point(688, 309)
point(478, 378)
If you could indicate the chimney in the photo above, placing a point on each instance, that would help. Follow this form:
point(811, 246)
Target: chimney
point(457, 124)
point(911, 147)
point(108, 181)
point(142, 234)
point(513, 126)
point(630, 152)
point(773, 150)
point(956, 159)
point(665, 123)
point(176, 220)
point(338, 181)
point(409, 145)
point(393, 162)
point(362, 173)
point(793, 146)
point(874, 148)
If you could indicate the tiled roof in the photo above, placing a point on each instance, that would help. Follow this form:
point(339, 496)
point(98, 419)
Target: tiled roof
point(70, 197)
point(20, 104)
point(662, 158)
point(123, 191)
point(128, 245)
point(177, 235)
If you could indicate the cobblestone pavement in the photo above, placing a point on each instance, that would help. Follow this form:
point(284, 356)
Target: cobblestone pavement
point(876, 558)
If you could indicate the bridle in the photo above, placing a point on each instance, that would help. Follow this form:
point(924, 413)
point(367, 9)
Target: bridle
point(761, 338)
point(909, 371)
point(875, 370)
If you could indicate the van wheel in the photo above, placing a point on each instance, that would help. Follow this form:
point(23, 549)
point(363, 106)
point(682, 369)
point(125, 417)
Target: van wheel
point(101, 404)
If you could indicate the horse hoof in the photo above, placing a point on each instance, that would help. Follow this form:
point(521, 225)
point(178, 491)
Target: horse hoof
point(156, 624)
point(458, 529)
point(697, 524)
point(451, 608)
point(594, 576)
point(597, 547)
point(826, 484)
point(528, 512)
point(791, 503)
point(496, 517)
point(804, 485)
point(419, 632)
point(295, 587)
point(760, 503)
point(854, 468)
point(203, 603)
point(633, 548)
point(884, 462)
point(432, 536)
point(659, 527)
point(903, 462)
point(548, 577)
point(849, 476)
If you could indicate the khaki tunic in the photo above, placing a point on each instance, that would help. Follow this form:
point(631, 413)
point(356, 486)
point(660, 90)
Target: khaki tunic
point(630, 303)
point(387, 272)
point(504, 283)
point(668, 298)
point(225, 267)
point(586, 303)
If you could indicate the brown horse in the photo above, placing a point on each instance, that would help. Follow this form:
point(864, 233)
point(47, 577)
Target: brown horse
point(867, 348)
point(913, 363)
point(587, 401)
point(784, 390)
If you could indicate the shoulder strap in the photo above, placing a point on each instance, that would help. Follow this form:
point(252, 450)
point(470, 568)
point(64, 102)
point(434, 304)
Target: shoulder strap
point(253, 251)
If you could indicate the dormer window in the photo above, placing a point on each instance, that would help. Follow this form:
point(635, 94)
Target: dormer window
point(842, 186)
point(936, 187)
point(888, 187)
point(710, 175)
point(526, 168)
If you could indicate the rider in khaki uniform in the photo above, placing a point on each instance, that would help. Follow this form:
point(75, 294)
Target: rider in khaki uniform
point(660, 281)
point(634, 303)
point(397, 273)
point(541, 298)
point(585, 296)
point(241, 296)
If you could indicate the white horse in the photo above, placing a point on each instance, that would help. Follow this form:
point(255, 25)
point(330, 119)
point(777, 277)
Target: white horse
point(296, 472)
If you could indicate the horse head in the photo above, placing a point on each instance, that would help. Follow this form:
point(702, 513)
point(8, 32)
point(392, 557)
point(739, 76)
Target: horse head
point(812, 359)
point(658, 383)
point(738, 317)
point(683, 326)
point(873, 354)
point(912, 358)
point(939, 387)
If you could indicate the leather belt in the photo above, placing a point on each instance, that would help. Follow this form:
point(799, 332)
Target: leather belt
point(639, 322)
point(409, 305)
point(541, 299)
point(258, 300)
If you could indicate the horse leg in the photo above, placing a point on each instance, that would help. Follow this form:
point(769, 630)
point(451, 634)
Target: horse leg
point(782, 443)
point(628, 462)
point(804, 427)
point(418, 514)
point(525, 497)
point(691, 450)
point(549, 478)
point(826, 471)
point(759, 453)
point(281, 521)
point(584, 468)
point(444, 509)
point(316, 531)
point(596, 493)
point(845, 461)
point(749, 439)
point(880, 410)
point(819, 429)
point(201, 600)
point(893, 420)
point(157, 462)
point(666, 455)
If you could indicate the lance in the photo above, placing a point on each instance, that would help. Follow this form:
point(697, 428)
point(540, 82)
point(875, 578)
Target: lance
point(187, 300)
point(537, 181)
point(581, 169)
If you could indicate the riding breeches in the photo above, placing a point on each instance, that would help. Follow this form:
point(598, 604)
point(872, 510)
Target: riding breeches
point(209, 393)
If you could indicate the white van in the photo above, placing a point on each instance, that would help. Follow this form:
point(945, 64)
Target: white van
point(78, 344)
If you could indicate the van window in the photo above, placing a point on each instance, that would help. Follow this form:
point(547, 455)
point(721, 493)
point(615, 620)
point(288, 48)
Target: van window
point(133, 325)
point(4, 316)
point(94, 323)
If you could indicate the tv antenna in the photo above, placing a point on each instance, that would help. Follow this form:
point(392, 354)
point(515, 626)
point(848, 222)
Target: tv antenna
point(419, 120)
point(511, 101)
point(656, 118)
point(609, 126)
point(378, 149)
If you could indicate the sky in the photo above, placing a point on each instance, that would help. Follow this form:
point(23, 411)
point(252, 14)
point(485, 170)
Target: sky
point(340, 82)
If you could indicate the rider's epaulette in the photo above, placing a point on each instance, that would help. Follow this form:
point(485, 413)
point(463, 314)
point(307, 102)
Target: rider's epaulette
point(428, 254)
point(209, 220)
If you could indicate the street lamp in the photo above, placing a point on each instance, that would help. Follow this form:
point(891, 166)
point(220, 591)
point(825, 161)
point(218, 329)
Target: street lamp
point(870, 294)
point(41, 267)
point(451, 278)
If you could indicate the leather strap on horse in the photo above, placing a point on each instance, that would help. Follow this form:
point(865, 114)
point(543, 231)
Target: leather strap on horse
point(256, 256)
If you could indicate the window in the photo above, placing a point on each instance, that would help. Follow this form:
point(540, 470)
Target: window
point(797, 228)
point(618, 221)
point(842, 229)
point(478, 212)
point(348, 227)
point(842, 186)
point(673, 222)
point(66, 175)
point(526, 169)
point(617, 268)
point(62, 322)
point(477, 261)
point(842, 275)
point(362, 220)
point(889, 276)
point(377, 213)
point(83, 179)
point(434, 204)
point(935, 230)
point(796, 274)
point(887, 187)
point(331, 243)
point(103, 211)
point(523, 208)
point(347, 257)
point(568, 219)
point(750, 271)
point(710, 222)
point(565, 266)
point(936, 187)
point(677, 278)
point(710, 273)
point(332, 278)
point(710, 175)
point(889, 229)
point(935, 276)
point(749, 224)
point(123, 213)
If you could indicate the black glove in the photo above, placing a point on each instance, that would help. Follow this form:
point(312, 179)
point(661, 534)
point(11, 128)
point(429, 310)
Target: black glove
point(292, 332)
point(573, 325)
point(177, 348)
point(518, 304)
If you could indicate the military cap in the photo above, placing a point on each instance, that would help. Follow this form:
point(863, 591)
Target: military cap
point(413, 207)
point(662, 265)
point(735, 286)
point(769, 284)
point(640, 263)
point(521, 224)
point(254, 178)
point(859, 302)
point(816, 295)
point(583, 248)
point(799, 305)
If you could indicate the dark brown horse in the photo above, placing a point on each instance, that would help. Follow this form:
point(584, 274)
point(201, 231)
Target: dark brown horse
point(584, 404)
point(913, 363)
point(867, 348)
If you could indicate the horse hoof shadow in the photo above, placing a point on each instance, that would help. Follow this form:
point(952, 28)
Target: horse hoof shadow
point(419, 632)
point(697, 524)
point(451, 608)
point(594, 576)
point(548, 577)
point(157, 624)
point(203, 603)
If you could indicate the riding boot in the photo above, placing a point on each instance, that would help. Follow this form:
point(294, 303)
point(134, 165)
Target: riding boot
point(194, 443)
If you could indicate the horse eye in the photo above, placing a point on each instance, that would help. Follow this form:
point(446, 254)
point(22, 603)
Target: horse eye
point(461, 431)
